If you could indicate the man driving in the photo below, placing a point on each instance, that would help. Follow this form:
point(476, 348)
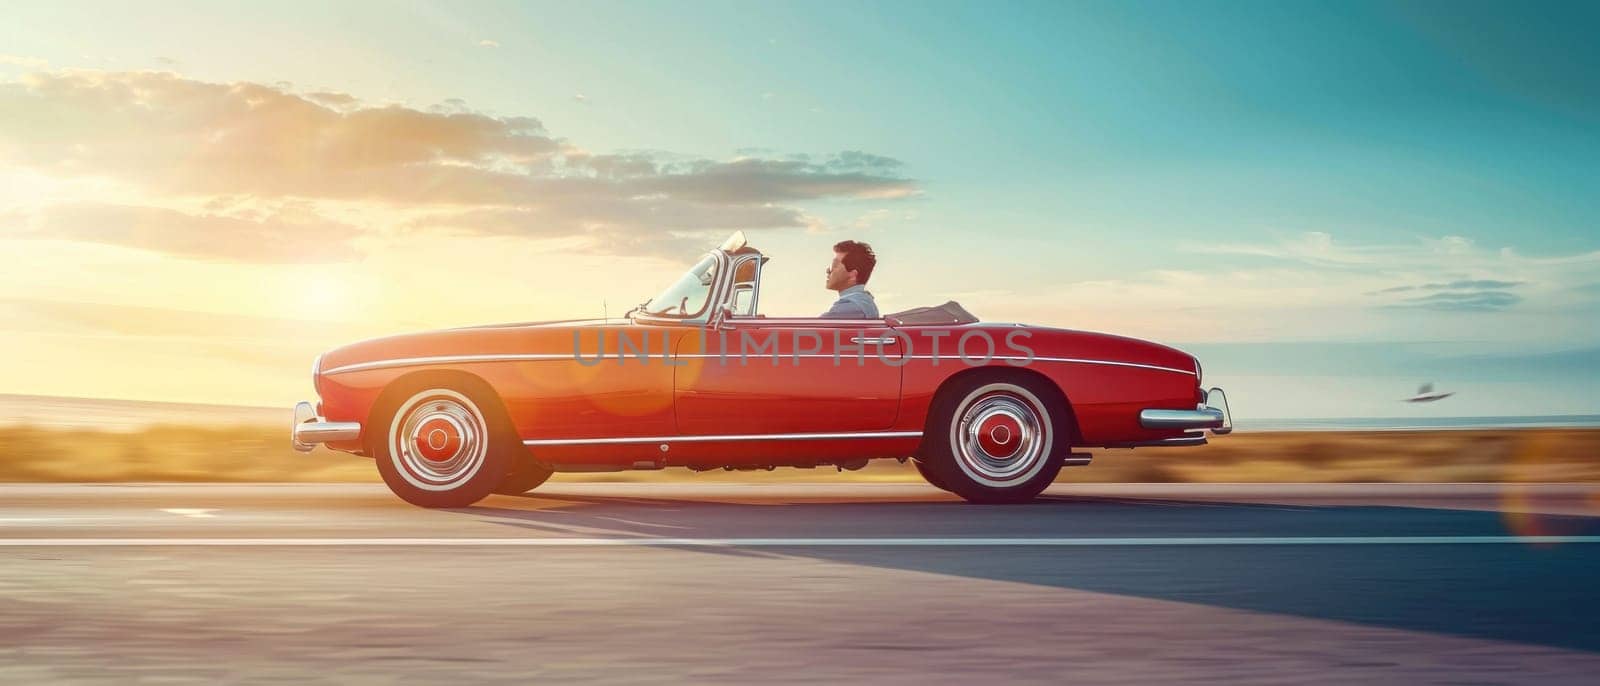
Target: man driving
point(852, 266)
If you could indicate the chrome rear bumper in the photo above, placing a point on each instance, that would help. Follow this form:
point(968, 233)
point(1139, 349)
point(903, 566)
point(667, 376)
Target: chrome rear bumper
point(1212, 414)
point(309, 429)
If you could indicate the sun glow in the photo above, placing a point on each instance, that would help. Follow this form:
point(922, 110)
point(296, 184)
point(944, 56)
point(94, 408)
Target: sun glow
point(321, 296)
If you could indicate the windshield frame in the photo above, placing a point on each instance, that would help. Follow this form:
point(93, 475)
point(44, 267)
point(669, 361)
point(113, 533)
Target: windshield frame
point(714, 296)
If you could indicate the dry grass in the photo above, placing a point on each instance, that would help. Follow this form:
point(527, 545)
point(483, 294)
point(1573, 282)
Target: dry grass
point(252, 454)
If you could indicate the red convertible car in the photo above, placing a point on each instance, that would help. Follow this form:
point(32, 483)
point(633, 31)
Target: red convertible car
point(695, 377)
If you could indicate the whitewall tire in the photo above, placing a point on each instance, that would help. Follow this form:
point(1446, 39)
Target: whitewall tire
point(441, 449)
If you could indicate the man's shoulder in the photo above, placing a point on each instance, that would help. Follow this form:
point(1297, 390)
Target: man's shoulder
point(846, 308)
point(862, 300)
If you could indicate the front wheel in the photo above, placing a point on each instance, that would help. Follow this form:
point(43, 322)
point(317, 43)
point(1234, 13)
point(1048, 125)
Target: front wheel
point(927, 473)
point(439, 450)
point(996, 439)
point(524, 476)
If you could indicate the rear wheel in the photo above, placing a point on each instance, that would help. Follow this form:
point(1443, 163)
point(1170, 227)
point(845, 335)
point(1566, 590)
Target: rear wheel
point(440, 449)
point(996, 438)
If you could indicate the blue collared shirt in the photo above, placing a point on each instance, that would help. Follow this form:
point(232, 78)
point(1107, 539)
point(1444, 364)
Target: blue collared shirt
point(853, 303)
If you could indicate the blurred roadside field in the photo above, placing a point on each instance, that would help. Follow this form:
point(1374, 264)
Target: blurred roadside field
point(187, 453)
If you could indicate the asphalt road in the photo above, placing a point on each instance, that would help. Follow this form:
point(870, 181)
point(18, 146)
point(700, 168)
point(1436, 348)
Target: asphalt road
point(673, 583)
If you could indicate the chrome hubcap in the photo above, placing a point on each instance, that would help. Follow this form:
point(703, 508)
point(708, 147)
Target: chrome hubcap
point(1001, 437)
point(439, 441)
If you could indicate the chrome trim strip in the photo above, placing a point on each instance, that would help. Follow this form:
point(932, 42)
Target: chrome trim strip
point(1216, 400)
point(531, 357)
point(309, 429)
point(768, 356)
point(642, 318)
point(802, 321)
point(1105, 362)
point(444, 359)
point(1204, 418)
point(724, 437)
point(325, 432)
point(1077, 360)
point(882, 322)
point(1213, 414)
point(755, 296)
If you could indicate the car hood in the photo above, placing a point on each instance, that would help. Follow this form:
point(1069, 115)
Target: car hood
point(544, 337)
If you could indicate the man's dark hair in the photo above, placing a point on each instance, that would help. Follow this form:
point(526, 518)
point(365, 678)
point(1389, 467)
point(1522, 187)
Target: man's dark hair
point(858, 258)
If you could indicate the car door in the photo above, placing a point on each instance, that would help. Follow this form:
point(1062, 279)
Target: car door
point(755, 375)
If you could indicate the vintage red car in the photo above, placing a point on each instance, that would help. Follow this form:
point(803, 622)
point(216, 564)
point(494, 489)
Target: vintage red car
point(696, 377)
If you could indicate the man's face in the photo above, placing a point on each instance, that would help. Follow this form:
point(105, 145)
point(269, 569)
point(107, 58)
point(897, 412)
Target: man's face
point(839, 278)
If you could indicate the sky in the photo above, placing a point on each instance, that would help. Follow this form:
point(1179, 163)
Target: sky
point(1330, 203)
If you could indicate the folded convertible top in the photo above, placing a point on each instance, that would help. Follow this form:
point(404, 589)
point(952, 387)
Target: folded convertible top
point(950, 313)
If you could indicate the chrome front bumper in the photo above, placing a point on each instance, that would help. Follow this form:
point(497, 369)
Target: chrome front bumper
point(309, 429)
point(1212, 414)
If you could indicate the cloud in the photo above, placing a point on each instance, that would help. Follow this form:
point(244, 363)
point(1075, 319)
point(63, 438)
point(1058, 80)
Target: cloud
point(1427, 267)
point(1454, 285)
point(489, 43)
point(1312, 247)
point(287, 235)
point(646, 225)
point(1479, 301)
point(1319, 287)
point(24, 62)
point(171, 137)
point(182, 136)
point(856, 160)
point(333, 100)
point(759, 180)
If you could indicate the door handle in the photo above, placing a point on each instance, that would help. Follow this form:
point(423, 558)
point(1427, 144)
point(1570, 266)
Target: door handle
point(880, 341)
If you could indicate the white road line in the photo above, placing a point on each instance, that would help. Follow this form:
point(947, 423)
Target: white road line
point(194, 512)
point(806, 542)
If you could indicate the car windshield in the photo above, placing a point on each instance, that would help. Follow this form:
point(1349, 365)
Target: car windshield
point(687, 296)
